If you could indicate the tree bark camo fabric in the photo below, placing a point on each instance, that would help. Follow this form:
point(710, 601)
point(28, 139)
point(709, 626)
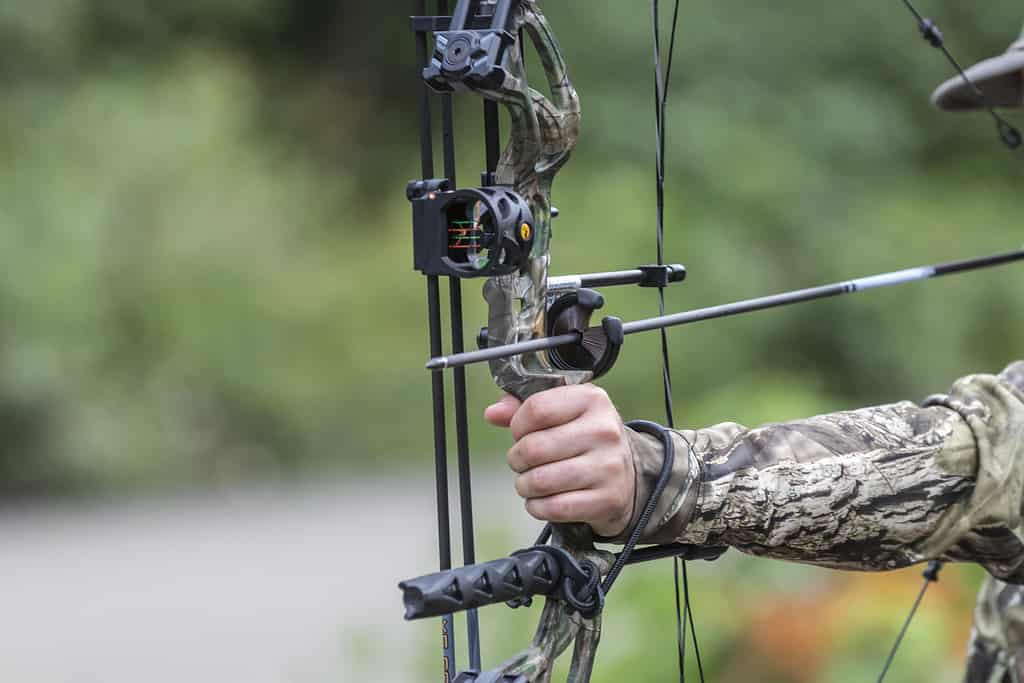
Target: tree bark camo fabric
point(871, 489)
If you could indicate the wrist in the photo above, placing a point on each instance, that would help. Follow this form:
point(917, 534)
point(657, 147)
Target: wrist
point(676, 505)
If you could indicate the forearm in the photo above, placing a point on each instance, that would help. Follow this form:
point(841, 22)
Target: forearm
point(877, 488)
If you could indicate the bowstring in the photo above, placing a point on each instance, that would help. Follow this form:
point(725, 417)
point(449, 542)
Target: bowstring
point(662, 81)
point(931, 575)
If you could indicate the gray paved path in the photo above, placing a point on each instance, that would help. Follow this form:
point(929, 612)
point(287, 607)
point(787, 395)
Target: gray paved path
point(253, 586)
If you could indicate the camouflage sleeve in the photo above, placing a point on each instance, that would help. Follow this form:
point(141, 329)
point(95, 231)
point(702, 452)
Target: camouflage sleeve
point(996, 650)
point(871, 489)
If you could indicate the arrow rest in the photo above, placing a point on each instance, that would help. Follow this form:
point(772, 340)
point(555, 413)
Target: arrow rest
point(599, 346)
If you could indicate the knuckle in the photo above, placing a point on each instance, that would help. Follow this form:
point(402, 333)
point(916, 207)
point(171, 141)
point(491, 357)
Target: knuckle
point(522, 486)
point(550, 479)
point(537, 407)
point(540, 480)
point(612, 469)
point(531, 450)
point(562, 509)
point(515, 459)
point(596, 393)
point(537, 509)
point(607, 431)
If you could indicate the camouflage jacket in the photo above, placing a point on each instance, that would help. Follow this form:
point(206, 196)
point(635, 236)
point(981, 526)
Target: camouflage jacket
point(871, 489)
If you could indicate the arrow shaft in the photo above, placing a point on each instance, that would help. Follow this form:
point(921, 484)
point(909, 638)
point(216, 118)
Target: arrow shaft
point(734, 308)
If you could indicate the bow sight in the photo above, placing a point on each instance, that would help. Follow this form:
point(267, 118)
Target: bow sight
point(488, 232)
point(478, 232)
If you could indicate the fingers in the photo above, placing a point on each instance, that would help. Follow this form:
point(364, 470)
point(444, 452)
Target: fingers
point(555, 407)
point(572, 474)
point(500, 414)
point(572, 456)
point(567, 507)
point(605, 468)
point(592, 506)
point(589, 432)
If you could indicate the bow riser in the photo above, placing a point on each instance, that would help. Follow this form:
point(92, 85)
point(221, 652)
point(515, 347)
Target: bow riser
point(541, 138)
point(543, 132)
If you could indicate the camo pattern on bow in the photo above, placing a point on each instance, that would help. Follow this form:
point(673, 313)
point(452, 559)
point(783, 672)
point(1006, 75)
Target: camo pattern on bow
point(543, 134)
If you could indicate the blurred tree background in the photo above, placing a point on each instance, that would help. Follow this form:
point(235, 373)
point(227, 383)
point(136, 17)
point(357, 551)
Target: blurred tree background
point(205, 258)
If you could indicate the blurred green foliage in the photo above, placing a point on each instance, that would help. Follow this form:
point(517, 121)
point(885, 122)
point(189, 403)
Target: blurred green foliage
point(205, 251)
point(205, 265)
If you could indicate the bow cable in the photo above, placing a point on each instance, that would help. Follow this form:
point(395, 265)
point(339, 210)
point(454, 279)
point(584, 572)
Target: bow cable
point(1008, 133)
point(662, 81)
point(1011, 137)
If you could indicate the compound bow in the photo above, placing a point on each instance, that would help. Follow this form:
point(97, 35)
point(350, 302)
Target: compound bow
point(539, 333)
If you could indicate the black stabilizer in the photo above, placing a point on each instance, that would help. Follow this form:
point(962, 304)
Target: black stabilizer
point(532, 572)
point(477, 677)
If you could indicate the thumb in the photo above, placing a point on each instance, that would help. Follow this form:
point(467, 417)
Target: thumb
point(500, 414)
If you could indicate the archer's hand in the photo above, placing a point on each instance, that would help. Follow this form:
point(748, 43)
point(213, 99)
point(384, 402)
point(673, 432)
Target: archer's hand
point(572, 456)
